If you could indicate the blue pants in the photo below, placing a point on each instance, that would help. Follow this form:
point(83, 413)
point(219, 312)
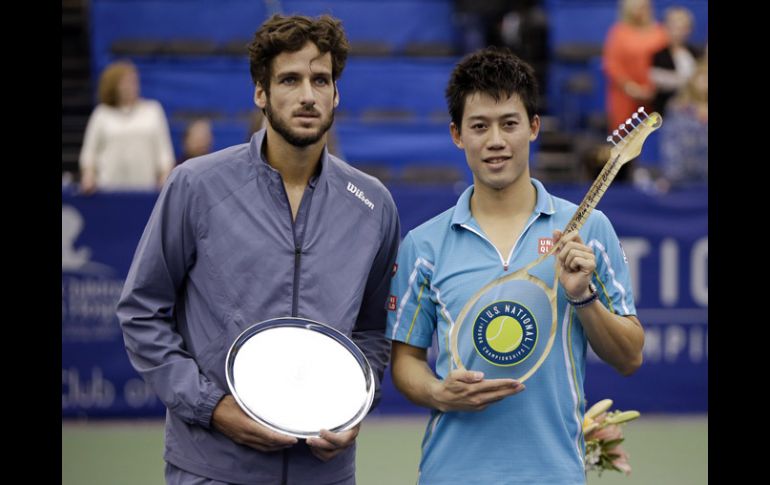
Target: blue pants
point(177, 476)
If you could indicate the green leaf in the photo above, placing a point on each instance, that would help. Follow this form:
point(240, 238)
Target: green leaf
point(612, 443)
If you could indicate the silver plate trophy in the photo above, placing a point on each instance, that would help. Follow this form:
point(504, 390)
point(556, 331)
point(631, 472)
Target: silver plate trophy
point(297, 376)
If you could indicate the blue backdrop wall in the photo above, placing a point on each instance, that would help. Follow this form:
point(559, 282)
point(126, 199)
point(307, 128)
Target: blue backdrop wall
point(665, 239)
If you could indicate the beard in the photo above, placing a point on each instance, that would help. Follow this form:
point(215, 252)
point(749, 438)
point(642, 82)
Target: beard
point(292, 137)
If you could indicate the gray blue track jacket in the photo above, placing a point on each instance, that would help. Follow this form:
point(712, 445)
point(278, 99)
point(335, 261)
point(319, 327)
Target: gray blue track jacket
point(220, 253)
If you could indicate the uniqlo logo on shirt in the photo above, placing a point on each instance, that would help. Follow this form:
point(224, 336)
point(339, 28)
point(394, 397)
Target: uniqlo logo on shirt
point(544, 245)
point(392, 303)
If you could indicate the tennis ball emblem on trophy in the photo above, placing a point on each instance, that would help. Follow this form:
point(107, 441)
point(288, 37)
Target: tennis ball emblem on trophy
point(505, 333)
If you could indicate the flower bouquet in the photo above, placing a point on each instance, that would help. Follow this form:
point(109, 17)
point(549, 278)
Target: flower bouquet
point(603, 435)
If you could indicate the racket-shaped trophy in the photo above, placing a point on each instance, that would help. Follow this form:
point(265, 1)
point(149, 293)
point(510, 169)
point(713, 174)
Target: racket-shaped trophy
point(297, 376)
point(507, 328)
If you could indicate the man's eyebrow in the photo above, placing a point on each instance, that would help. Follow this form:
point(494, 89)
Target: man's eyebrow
point(515, 114)
point(292, 72)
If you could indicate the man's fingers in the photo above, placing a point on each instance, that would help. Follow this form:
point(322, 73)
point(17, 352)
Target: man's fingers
point(259, 443)
point(480, 401)
point(502, 392)
point(341, 439)
point(258, 435)
point(575, 257)
point(461, 387)
point(508, 391)
point(578, 261)
point(328, 445)
point(280, 439)
point(332, 441)
point(567, 237)
point(266, 448)
point(466, 376)
point(324, 444)
point(491, 385)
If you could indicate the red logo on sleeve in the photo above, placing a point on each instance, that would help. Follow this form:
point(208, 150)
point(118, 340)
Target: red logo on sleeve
point(392, 303)
point(544, 245)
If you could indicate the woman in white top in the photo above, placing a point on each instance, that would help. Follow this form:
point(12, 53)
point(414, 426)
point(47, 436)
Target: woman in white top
point(127, 145)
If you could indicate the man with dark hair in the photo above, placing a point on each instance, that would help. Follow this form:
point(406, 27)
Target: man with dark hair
point(256, 231)
point(492, 430)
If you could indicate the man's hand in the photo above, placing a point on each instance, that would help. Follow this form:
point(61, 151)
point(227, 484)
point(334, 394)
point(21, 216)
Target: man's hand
point(465, 390)
point(229, 419)
point(577, 265)
point(329, 445)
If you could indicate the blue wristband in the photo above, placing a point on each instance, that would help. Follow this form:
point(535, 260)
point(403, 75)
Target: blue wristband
point(587, 301)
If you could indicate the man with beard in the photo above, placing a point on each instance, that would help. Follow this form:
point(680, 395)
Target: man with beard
point(271, 228)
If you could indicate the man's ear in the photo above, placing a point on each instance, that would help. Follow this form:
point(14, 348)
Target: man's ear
point(336, 95)
point(260, 96)
point(456, 136)
point(534, 127)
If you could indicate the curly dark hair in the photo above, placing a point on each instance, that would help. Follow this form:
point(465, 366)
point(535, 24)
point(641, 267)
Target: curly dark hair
point(494, 71)
point(281, 33)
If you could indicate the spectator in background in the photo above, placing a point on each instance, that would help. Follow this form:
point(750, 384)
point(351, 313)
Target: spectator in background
point(197, 139)
point(478, 23)
point(523, 28)
point(519, 25)
point(627, 57)
point(684, 134)
point(674, 65)
point(127, 144)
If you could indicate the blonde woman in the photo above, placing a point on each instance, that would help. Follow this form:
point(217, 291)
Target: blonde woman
point(685, 133)
point(127, 145)
point(627, 57)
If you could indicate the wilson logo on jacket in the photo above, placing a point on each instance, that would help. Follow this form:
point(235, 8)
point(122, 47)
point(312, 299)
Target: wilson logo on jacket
point(360, 194)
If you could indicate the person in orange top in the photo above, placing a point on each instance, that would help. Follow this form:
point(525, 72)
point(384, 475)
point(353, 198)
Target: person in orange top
point(627, 57)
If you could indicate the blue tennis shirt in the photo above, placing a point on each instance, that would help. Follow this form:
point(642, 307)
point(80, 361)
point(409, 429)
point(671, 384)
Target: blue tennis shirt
point(534, 436)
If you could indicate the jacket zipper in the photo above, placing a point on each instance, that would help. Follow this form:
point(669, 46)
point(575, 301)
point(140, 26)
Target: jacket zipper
point(507, 263)
point(295, 293)
point(297, 255)
point(294, 297)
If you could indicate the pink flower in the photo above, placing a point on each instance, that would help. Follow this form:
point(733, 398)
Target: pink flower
point(620, 459)
point(608, 433)
point(600, 418)
point(603, 435)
